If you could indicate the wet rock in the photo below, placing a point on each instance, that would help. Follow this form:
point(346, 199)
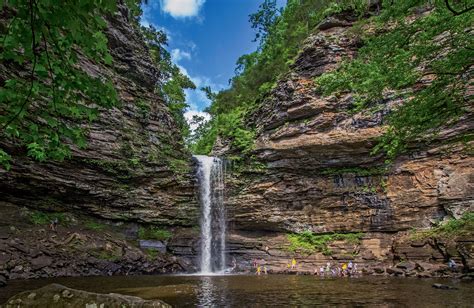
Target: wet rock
point(40, 262)
point(31, 296)
point(4, 258)
point(443, 286)
point(4, 232)
point(62, 296)
point(468, 277)
point(395, 271)
point(156, 245)
point(406, 265)
point(3, 281)
point(424, 275)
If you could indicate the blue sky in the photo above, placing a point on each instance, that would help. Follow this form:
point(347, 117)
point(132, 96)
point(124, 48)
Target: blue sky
point(206, 37)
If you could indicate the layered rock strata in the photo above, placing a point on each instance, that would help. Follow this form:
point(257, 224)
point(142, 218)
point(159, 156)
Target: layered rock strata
point(135, 166)
point(320, 174)
point(134, 170)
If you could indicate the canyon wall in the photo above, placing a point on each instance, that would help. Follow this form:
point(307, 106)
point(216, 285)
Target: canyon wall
point(134, 167)
point(320, 175)
point(134, 170)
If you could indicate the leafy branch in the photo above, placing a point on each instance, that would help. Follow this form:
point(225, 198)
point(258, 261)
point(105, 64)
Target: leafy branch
point(44, 110)
point(456, 13)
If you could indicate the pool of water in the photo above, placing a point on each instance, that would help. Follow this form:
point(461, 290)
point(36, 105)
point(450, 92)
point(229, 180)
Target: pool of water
point(271, 290)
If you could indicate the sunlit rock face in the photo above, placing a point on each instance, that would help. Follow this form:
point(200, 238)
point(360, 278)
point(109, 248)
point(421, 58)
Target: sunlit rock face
point(128, 171)
point(321, 176)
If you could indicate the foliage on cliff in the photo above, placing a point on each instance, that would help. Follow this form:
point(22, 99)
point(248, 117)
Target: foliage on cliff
point(280, 33)
point(308, 242)
point(172, 81)
point(47, 95)
point(389, 60)
point(426, 62)
point(464, 226)
point(45, 38)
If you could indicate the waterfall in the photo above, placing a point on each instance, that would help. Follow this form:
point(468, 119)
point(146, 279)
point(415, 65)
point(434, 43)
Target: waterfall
point(210, 175)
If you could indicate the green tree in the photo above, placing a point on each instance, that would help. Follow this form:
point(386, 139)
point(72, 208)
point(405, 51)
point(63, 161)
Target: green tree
point(280, 34)
point(172, 81)
point(426, 62)
point(264, 19)
point(45, 95)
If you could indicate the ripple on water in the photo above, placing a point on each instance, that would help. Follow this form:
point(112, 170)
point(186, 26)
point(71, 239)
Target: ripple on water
point(271, 290)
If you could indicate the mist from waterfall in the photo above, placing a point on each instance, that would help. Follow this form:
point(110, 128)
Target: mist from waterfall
point(210, 175)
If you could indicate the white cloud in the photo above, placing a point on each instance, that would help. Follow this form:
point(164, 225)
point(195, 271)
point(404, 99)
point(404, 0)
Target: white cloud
point(144, 22)
point(188, 115)
point(147, 12)
point(182, 8)
point(178, 55)
point(192, 45)
point(147, 16)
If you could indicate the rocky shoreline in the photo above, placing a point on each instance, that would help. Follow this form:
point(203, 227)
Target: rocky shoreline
point(79, 246)
point(56, 295)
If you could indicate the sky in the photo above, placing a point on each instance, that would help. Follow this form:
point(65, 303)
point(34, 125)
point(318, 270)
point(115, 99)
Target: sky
point(205, 39)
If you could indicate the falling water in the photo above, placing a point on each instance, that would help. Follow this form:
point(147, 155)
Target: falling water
point(210, 176)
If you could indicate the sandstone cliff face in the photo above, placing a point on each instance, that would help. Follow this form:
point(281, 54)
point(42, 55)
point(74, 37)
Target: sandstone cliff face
point(134, 170)
point(135, 166)
point(320, 175)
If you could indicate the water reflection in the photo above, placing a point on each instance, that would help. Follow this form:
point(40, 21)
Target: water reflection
point(206, 292)
point(268, 291)
point(211, 290)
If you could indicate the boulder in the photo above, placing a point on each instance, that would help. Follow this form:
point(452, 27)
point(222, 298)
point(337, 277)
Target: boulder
point(423, 275)
point(443, 286)
point(395, 271)
point(40, 262)
point(56, 295)
point(406, 265)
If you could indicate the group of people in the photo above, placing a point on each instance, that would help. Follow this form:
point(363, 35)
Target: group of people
point(260, 267)
point(291, 264)
point(346, 269)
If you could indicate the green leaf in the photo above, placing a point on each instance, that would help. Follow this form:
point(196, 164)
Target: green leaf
point(5, 159)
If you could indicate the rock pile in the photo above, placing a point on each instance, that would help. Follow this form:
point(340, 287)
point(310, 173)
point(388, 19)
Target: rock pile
point(55, 295)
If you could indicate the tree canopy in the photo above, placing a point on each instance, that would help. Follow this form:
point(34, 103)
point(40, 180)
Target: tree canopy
point(43, 109)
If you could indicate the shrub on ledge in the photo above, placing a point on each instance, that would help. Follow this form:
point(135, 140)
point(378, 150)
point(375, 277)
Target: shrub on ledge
point(308, 242)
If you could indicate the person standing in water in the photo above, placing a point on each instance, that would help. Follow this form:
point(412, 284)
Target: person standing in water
point(328, 268)
point(344, 269)
point(258, 270)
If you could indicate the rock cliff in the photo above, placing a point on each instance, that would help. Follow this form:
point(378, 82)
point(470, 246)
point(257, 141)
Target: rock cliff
point(134, 170)
point(135, 166)
point(320, 175)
